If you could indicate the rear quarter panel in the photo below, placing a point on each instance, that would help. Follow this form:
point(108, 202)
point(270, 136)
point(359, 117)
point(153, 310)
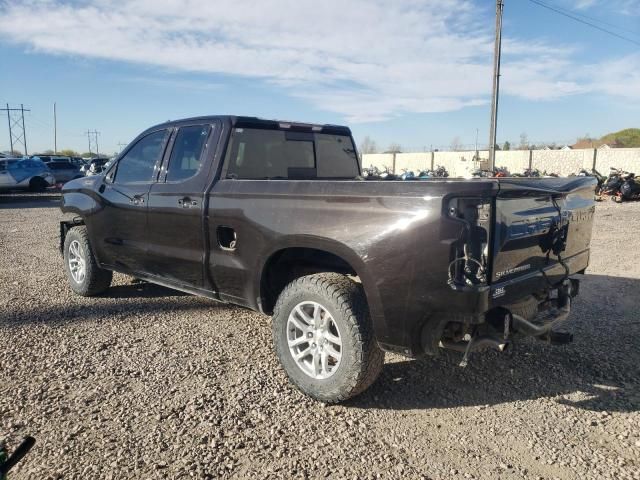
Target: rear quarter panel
point(392, 233)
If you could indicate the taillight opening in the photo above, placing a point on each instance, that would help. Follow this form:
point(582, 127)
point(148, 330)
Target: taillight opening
point(469, 258)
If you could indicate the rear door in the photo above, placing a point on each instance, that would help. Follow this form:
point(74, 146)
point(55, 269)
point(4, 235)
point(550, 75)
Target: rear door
point(120, 226)
point(176, 233)
point(540, 220)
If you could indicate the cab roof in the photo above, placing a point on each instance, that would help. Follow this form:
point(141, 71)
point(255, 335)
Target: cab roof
point(255, 122)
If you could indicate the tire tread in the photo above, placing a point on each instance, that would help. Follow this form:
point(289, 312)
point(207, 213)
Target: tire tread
point(348, 296)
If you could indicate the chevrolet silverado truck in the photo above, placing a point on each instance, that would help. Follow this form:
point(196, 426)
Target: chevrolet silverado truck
point(276, 217)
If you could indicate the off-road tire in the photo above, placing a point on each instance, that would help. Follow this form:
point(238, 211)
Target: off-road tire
point(96, 279)
point(362, 358)
point(37, 184)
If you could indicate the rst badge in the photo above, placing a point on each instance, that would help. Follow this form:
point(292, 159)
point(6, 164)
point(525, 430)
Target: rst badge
point(499, 292)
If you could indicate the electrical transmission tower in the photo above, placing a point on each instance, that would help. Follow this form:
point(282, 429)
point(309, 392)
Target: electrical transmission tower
point(17, 132)
point(92, 136)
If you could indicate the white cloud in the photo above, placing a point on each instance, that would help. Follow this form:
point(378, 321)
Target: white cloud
point(365, 59)
point(624, 7)
point(582, 4)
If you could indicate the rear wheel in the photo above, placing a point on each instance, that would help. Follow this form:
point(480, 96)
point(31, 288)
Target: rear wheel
point(324, 338)
point(38, 184)
point(86, 278)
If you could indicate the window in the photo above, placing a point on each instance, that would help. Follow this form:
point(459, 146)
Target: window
point(336, 156)
point(60, 165)
point(187, 149)
point(138, 163)
point(281, 154)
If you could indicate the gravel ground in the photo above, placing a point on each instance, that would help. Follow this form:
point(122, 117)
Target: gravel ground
point(145, 382)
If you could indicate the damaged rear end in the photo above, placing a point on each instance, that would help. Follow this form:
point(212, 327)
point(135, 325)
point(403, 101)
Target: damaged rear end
point(518, 252)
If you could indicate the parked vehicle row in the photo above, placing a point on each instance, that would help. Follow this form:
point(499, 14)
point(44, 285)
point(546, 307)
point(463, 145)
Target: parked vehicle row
point(21, 173)
point(374, 173)
point(619, 186)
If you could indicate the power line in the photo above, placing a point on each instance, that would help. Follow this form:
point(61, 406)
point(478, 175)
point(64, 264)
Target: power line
point(577, 19)
point(603, 22)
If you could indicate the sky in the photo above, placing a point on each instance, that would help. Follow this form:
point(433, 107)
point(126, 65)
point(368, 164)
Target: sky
point(411, 72)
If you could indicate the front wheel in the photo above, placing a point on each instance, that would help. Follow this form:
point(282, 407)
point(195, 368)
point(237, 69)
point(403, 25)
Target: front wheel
point(86, 278)
point(38, 184)
point(324, 338)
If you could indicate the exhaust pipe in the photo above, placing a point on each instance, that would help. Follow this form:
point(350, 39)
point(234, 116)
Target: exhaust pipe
point(479, 342)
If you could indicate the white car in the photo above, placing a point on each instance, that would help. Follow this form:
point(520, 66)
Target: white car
point(18, 173)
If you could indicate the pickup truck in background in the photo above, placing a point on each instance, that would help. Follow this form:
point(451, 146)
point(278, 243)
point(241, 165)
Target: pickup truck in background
point(275, 216)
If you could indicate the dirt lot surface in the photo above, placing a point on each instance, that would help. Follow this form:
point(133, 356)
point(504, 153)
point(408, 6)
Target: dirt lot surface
point(145, 382)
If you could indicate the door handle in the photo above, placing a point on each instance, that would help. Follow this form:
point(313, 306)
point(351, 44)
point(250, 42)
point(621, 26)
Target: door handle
point(186, 202)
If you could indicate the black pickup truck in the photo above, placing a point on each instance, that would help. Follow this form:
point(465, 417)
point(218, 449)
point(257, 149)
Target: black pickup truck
point(276, 217)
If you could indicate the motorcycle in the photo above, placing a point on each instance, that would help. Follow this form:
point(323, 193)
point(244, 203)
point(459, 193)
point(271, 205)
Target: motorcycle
point(593, 173)
point(629, 190)
point(407, 175)
point(441, 172)
point(611, 186)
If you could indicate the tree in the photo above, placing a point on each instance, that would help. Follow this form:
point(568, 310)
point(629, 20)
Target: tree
point(67, 152)
point(394, 148)
point(456, 145)
point(48, 152)
point(506, 146)
point(368, 146)
point(88, 155)
point(628, 138)
point(524, 142)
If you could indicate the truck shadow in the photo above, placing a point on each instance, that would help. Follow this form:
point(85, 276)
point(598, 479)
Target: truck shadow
point(599, 371)
point(141, 289)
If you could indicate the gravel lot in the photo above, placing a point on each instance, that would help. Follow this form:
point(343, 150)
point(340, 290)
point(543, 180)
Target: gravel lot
point(145, 382)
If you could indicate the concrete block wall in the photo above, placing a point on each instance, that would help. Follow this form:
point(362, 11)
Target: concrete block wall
point(562, 162)
point(625, 158)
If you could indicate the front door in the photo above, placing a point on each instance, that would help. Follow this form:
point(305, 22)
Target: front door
point(175, 222)
point(6, 180)
point(120, 227)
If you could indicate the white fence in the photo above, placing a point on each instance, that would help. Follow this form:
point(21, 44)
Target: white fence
point(460, 164)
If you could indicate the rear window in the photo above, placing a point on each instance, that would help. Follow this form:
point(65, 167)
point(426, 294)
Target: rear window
point(281, 154)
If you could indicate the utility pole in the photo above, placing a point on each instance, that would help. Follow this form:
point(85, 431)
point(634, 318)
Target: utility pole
point(55, 130)
point(16, 124)
point(92, 137)
point(496, 84)
point(89, 139)
point(121, 146)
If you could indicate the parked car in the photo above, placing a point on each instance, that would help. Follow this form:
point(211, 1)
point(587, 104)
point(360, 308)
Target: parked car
point(64, 170)
point(78, 161)
point(94, 166)
point(276, 217)
point(17, 173)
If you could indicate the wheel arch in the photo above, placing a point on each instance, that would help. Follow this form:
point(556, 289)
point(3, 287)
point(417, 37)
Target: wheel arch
point(65, 226)
point(304, 257)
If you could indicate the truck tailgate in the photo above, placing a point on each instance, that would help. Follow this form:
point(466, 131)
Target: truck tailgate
point(540, 220)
